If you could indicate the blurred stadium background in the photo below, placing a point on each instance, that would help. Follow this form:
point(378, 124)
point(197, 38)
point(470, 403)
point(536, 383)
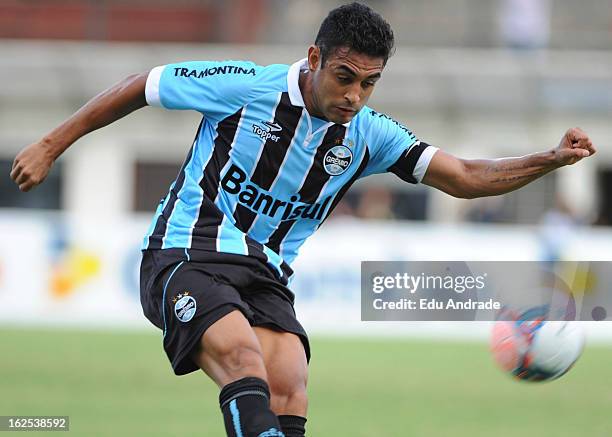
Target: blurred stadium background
point(478, 78)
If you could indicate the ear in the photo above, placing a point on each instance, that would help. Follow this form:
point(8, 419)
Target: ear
point(314, 57)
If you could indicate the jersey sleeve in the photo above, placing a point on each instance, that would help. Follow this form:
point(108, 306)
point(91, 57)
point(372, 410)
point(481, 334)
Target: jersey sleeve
point(396, 149)
point(213, 88)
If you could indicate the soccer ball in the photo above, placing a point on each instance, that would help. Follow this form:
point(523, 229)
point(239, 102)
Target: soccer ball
point(536, 350)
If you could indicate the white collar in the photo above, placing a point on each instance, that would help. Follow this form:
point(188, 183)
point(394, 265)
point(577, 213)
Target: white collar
point(293, 78)
point(293, 85)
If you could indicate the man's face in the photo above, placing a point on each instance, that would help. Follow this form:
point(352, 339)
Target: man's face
point(342, 86)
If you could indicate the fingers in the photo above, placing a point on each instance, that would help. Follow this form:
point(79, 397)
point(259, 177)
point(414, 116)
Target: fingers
point(590, 147)
point(30, 167)
point(18, 174)
point(576, 134)
point(23, 178)
point(579, 139)
point(15, 171)
point(26, 181)
point(26, 187)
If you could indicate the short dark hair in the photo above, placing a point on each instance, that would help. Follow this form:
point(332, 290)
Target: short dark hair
point(357, 27)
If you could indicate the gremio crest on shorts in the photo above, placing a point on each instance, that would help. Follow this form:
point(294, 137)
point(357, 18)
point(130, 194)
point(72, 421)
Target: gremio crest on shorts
point(337, 160)
point(184, 307)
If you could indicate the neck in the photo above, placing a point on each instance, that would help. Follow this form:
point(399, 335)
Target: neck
point(305, 85)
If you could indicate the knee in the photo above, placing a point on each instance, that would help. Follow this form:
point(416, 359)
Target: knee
point(289, 397)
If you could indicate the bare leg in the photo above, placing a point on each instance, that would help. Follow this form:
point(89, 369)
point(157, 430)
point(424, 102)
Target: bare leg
point(229, 350)
point(287, 370)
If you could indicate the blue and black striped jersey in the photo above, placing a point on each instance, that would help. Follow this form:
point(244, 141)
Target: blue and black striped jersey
point(262, 174)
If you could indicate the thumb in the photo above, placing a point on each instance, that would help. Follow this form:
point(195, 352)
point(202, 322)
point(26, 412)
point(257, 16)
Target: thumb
point(582, 153)
point(572, 156)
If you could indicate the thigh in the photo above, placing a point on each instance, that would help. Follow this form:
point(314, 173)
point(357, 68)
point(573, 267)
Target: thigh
point(287, 369)
point(229, 350)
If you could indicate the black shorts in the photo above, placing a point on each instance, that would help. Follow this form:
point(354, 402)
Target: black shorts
point(184, 295)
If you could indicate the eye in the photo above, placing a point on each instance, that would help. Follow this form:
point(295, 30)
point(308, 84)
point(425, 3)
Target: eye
point(369, 83)
point(344, 79)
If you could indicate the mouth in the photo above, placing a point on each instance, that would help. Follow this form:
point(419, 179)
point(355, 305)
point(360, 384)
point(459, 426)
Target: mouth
point(346, 111)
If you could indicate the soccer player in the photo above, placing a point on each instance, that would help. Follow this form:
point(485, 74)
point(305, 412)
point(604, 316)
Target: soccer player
point(277, 148)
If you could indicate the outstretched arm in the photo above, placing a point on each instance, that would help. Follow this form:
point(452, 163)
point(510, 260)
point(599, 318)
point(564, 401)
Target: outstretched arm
point(467, 178)
point(33, 163)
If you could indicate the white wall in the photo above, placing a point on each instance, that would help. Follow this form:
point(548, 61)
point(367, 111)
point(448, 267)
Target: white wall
point(62, 270)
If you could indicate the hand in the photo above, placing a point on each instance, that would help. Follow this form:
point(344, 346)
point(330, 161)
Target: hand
point(574, 146)
point(31, 166)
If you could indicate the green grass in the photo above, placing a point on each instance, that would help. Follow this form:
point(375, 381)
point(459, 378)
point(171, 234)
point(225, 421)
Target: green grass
point(120, 384)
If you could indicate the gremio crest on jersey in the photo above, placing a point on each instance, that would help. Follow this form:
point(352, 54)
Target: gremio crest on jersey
point(338, 159)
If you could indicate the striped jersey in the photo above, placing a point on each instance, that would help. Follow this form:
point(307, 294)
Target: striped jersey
point(262, 174)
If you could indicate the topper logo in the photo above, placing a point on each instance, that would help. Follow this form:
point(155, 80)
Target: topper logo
point(265, 132)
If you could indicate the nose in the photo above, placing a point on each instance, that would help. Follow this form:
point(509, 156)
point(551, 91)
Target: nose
point(353, 95)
